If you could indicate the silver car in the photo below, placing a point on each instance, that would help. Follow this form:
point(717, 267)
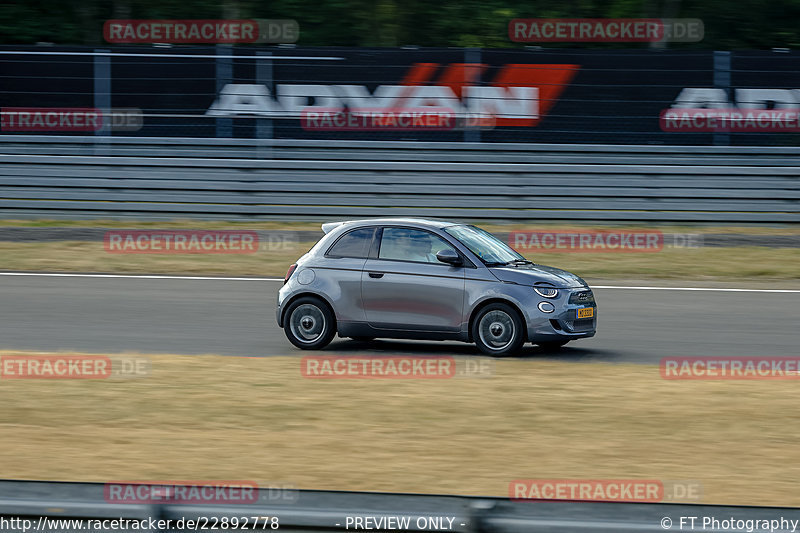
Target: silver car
point(425, 279)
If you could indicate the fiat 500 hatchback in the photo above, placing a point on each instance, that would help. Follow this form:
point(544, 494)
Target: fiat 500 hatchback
point(426, 279)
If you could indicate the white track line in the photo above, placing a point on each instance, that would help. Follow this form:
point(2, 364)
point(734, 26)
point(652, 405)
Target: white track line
point(710, 289)
point(212, 278)
point(131, 276)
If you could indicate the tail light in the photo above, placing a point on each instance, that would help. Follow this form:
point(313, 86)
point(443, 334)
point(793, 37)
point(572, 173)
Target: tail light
point(289, 273)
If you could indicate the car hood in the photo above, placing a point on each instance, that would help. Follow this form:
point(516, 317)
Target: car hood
point(530, 274)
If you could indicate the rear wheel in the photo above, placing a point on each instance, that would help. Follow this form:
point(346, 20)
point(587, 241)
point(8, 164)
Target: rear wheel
point(498, 330)
point(310, 324)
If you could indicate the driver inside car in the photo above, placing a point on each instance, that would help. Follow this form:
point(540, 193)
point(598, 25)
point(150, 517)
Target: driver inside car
point(416, 247)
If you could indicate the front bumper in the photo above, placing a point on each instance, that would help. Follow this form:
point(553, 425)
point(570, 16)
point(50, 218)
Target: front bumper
point(563, 324)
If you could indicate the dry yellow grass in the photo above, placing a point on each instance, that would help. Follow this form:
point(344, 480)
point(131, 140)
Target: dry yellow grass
point(710, 263)
point(726, 264)
point(212, 417)
point(671, 263)
point(79, 256)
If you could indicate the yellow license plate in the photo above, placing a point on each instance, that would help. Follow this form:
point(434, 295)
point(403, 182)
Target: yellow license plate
point(586, 312)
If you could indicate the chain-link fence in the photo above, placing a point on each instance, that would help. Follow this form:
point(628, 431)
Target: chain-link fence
point(533, 95)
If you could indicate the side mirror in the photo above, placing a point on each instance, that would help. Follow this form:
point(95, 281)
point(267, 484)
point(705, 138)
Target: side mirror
point(449, 256)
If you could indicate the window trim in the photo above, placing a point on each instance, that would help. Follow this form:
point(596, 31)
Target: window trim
point(466, 263)
point(376, 242)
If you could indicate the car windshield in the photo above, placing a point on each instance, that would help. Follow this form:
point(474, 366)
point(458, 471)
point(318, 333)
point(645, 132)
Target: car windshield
point(490, 249)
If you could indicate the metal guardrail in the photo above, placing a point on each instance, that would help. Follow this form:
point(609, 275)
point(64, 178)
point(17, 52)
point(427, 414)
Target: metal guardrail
point(332, 149)
point(325, 511)
point(78, 177)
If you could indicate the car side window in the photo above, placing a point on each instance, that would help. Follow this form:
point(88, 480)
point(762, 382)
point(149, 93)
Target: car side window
point(406, 244)
point(353, 244)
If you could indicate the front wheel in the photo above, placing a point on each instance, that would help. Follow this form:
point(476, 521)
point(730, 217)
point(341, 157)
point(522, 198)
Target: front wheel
point(498, 330)
point(310, 324)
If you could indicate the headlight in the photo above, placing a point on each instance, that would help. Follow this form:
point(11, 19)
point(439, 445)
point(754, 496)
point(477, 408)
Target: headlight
point(546, 292)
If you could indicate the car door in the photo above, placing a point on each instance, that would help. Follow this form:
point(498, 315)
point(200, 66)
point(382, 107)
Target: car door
point(344, 261)
point(404, 286)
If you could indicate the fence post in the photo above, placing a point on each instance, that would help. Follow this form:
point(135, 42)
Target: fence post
point(722, 80)
point(471, 55)
point(224, 75)
point(264, 124)
point(102, 98)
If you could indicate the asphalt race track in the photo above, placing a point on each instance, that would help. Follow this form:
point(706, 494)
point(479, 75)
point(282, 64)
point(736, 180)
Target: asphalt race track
point(236, 317)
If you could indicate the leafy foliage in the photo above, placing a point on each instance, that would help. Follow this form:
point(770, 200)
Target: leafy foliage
point(391, 23)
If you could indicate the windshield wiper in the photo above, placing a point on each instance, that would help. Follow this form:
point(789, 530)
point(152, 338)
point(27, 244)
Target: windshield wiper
point(514, 262)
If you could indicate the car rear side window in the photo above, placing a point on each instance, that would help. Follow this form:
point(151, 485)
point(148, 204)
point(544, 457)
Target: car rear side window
point(353, 244)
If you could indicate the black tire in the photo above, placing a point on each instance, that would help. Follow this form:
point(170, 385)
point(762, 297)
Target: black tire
point(309, 323)
point(551, 346)
point(363, 339)
point(498, 330)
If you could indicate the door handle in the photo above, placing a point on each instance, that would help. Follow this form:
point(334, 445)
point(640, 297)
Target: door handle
point(376, 274)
